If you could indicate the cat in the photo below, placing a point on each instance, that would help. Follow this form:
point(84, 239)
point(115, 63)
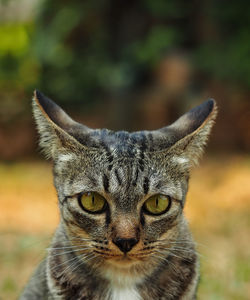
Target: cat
point(122, 233)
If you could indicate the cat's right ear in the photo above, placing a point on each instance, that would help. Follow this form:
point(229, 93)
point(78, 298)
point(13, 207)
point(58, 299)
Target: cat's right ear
point(186, 138)
point(55, 127)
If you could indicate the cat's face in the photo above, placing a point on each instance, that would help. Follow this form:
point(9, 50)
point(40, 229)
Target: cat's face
point(121, 194)
point(123, 200)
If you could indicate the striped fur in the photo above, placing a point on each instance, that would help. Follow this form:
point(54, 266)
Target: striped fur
point(84, 261)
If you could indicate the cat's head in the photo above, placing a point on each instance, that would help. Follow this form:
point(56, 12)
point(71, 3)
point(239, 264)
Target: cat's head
point(121, 194)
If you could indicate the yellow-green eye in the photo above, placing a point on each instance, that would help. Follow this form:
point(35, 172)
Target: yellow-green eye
point(157, 204)
point(92, 202)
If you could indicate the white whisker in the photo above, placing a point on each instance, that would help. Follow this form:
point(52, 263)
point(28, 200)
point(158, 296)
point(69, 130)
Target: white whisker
point(64, 247)
point(76, 264)
point(164, 258)
point(169, 253)
point(63, 263)
point(73, 250)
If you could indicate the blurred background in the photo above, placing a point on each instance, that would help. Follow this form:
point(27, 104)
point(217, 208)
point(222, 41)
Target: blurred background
point(127, 65)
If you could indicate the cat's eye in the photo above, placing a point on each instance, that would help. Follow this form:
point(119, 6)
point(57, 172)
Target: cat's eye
point(92, 202)
point(157, 204)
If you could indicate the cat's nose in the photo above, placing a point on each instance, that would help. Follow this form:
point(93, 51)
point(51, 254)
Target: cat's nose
point(125, 245)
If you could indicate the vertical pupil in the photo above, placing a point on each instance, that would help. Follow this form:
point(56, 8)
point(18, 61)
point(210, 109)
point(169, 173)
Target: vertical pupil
point(93, 199)
point(157, 201)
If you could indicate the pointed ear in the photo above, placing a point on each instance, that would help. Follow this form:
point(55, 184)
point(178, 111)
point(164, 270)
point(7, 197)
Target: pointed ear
point(188, 135)
point(57, 130)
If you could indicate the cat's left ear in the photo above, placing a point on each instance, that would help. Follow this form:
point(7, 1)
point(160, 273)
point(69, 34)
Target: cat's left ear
point(189, 134)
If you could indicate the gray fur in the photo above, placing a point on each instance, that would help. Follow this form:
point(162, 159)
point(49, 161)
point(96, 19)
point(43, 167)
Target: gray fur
point(126, 168)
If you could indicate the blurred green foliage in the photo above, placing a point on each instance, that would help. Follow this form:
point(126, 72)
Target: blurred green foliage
point(81, 50)
point(224, 54)
point(18, 66)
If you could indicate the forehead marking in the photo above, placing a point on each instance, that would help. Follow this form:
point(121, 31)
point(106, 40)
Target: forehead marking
point(146, 185)
point(118, 177)
point(136, 177)
point(105, 183)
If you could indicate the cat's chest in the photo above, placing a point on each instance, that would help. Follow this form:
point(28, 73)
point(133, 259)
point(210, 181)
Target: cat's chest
point(130, 293)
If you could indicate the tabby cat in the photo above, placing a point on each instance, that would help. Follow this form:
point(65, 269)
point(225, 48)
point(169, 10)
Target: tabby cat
point(122, 234)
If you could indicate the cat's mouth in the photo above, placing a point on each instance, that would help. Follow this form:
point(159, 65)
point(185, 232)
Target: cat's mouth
point(126, 259)
point(123, 262)
point(113, 256)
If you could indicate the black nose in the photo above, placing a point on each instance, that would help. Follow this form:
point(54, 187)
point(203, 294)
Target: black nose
point(125, 245)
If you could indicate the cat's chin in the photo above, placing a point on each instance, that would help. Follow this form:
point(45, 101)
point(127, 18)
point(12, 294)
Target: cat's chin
point(124, 272)
point(125, 268)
